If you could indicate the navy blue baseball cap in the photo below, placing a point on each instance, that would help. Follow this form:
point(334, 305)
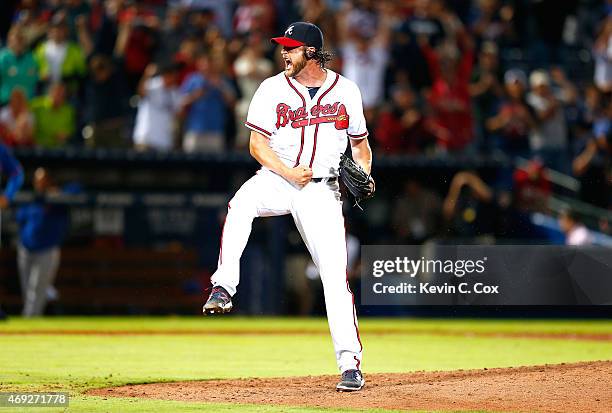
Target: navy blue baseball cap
point(301, 34)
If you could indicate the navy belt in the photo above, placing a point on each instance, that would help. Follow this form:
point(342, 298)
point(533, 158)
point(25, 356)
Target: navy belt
point(325, 179)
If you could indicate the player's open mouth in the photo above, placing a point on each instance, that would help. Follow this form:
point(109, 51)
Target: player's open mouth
point(288, 64)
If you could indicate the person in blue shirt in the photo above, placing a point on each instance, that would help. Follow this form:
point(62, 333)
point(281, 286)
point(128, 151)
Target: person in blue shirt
point(42, 228)
point(207, 97)
point(12, 172)
point(592, 162)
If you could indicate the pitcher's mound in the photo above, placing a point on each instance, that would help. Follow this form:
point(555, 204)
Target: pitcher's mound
point(578, 387)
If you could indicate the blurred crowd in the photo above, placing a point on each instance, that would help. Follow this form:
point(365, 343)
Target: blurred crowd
point(530, 79)
point(527, 78)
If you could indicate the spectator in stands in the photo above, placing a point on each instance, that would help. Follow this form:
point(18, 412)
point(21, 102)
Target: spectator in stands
point(76, 10)
point(602, 51)
point(452, 25)
point(42, 228)
point(255, 16)
point(106, 35)
point(576, 234)
point(402, 127)
point(206, 98)
point(592, 162)
point(474, 208)
point(54, 117)
point(449, 97)
point(58, 58)
point(105, 103)
point(586, 111)
point(157, 109)
point(218, 12)
point(549, 138)
point(219, 52)
point(494, 22)
point(17, 67)
point(200, 19)
point(407, 55)
point(173, 31)
point(416, 213)
point(485, 87)
point(467, 204)
point(532, 186)
point(16, 120)
point(251, 68)
point(424, 22)
point(137, 40)
point(320, 13)
point(186, 56)
point(84, 36)
point(32, 19)
point(360, 15)
point(514, 120)
point(364, 48)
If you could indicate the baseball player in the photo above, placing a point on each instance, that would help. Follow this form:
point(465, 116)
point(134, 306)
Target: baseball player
point(300, 121)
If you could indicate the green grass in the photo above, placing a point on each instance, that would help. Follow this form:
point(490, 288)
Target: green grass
point(202, 351)
point(286, 324)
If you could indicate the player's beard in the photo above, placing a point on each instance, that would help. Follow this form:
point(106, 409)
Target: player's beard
point(296, 67)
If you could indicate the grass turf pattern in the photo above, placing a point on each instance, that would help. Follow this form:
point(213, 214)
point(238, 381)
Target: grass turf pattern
point(207, 349)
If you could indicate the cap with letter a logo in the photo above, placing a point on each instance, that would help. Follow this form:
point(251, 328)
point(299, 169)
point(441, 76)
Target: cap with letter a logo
point(301, 34)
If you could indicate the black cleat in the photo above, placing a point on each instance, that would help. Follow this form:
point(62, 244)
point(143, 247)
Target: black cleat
point(352, 380)
point(218, 302)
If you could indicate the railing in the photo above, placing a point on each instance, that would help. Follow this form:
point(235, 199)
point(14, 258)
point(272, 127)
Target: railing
point(237, 158)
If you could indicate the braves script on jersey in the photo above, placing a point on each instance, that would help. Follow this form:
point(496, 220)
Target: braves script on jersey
point(308, 131)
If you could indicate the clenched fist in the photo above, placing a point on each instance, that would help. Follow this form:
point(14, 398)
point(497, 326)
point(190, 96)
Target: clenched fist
point(299, 175)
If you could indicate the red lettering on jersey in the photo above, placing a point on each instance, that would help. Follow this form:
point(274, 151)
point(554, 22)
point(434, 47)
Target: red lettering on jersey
point(281, 115)
point(333, 108)
point(284, 114)
point(300, 113)
point(299, 117)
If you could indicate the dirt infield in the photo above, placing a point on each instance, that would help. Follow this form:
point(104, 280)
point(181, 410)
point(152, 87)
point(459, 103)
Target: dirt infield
point(576, 387)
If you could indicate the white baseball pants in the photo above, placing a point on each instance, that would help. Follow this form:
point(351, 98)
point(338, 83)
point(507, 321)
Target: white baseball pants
point(317, 211)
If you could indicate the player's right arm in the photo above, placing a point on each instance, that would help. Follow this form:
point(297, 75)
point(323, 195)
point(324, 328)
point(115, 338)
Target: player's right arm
point(260, 150)
point(261, 119)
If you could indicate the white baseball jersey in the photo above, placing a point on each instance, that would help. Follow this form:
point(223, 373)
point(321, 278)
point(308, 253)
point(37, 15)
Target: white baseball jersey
point(308, 131)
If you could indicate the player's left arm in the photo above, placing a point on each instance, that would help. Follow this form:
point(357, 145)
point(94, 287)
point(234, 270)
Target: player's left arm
point(362, 153)
point(357, 131)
